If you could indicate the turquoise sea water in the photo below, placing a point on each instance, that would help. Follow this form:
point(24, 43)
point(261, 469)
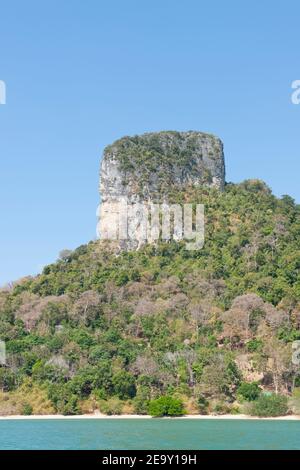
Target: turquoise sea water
point(149, 434)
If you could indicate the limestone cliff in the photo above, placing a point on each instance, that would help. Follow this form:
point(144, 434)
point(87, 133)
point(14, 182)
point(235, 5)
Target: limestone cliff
point(147, 167)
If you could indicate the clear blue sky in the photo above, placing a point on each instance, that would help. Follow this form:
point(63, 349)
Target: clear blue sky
point(81, 74)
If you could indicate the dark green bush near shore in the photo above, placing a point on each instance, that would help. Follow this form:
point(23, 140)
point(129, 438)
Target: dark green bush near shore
point(166, 406)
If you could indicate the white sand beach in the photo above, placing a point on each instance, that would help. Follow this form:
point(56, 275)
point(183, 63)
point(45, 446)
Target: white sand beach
point(132, 416)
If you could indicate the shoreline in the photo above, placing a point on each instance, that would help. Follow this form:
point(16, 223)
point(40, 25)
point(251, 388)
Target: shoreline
point(133, 416)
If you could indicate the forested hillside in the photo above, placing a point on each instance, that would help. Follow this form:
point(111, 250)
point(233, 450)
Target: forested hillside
point(211, 330)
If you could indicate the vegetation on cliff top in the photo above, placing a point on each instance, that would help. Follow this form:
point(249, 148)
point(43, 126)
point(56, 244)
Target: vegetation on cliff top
point(163, 157)
point(100, 331)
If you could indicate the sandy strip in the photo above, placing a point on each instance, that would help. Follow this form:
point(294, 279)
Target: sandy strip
point(127, 416)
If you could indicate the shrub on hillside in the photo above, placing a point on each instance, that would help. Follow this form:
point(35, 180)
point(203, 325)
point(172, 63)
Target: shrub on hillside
point(124, 385)
point(269, 406)
point(141, 400)
point(220, 407)
point(203, 405)
point(113, 406)
point(249, 391)
point(27, 409)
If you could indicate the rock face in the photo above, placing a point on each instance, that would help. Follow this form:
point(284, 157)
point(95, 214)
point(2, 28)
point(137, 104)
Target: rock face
point(146, 168)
